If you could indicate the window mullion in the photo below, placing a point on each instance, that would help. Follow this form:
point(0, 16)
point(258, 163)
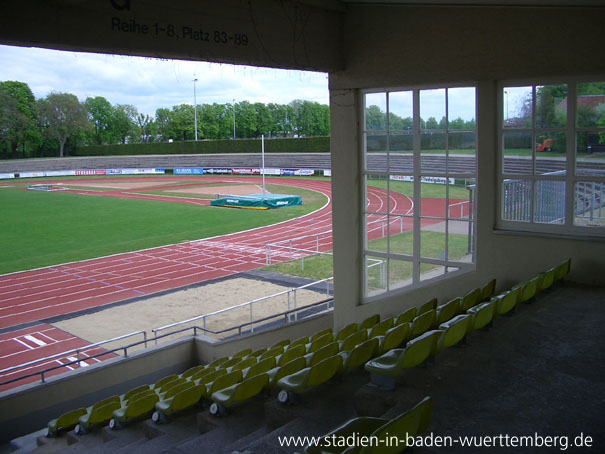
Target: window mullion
point(416, 125)
point(570, 154)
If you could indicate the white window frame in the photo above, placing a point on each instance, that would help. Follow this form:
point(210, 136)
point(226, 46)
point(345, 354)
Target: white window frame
point(415, 258)
point(567, 228)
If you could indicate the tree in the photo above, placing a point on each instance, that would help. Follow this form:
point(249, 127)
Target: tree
point(375, 118)
point(162, 122)
point(123, 121)
point(431, 123)
point(19, 118)
point(245, 120)
point(102, 116)
point(265, 124)
point(62, 115)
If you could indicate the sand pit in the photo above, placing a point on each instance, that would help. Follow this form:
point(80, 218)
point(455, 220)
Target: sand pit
point(121, 185)
point(238, 189)
point(182, 305)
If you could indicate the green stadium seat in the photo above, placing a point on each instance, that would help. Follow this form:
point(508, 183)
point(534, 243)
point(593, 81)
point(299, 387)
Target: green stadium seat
point(548, 279)
point(353, 340)
point(218, 362)
point(279, 372)
point(321, 333)
point(482, 314)
point(161, 382)
point(230, 363)
point(454, 331)
point(447, 311)
point(282, 343)
point(321, 354)
point(297, 383)
point(135, 409)
point(394, 337)
point(359, 355)
point(346, 332)
point(379, 329)
point(242, 353)
point(406, 316)
point(176, 389)
point(414, 421)
point(182, 400)
point(370, 321)
point(243, 364)
point(134, 391)
point(208, 378)
point(64, 423)
point(507, 301)
point(138, 396)
point(222, 382)
point(319, 342)
point(528, 289)
point(562, 270)
point(300, 341)
point(387, 367)
point(430, 305)
point(260, 367)
point(258, 352)
point(488, 290)
point(423, 323)
point(202, 373)
point(272, 353)
point(192, 371)
point(166, 386)
point(98, 415)
point(290, 354)
point(470, 299)
point(239, 392)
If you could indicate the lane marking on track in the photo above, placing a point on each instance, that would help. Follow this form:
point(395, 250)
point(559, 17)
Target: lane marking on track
point(35, 340)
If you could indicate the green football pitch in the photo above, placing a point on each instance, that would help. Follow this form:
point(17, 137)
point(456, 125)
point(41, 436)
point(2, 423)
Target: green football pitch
point(46, 228)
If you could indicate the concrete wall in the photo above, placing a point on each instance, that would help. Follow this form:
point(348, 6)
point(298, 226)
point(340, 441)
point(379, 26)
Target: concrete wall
point(399, 46)
point(262, 32)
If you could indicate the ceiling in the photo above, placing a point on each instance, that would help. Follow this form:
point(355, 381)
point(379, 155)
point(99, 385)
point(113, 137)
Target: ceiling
point(485, 2)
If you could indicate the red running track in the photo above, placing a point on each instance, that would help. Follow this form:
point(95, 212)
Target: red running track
point(62, 289)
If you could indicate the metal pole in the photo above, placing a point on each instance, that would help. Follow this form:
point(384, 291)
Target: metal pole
point(262, 138)
point(234, 119)
point(195, 106)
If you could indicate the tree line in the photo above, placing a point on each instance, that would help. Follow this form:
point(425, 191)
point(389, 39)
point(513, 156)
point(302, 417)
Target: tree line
point(59, 122)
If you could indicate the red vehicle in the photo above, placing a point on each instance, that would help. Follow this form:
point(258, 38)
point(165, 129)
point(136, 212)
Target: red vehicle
point(546, 145)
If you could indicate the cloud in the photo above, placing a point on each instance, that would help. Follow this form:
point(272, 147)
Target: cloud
point(149, 83)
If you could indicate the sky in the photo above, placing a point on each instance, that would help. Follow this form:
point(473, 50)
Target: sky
point(149, 83)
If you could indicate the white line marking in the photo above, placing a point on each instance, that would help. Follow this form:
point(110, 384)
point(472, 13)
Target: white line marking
point(31, 338)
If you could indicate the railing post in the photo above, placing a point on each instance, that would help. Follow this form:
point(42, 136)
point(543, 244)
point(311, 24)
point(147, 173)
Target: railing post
point(251, 326)
point(42, 377)
point(145, 338)
point(78, 357)
point(125, 352)
point(290, 249)
point(295, 313)
point(155, 336)
point(267, 254)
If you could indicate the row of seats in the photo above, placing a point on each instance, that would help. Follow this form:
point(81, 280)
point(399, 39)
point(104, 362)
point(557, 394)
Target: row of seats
point(295, 366)
point(447, 325)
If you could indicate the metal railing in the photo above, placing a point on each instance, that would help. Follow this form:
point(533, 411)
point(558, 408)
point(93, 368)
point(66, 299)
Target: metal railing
point(296, 252)
point(77, 360)
point(291, 304)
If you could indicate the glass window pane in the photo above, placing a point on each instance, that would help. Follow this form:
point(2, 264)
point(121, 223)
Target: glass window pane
point(401, 195)
point(590, 153)
point(400, 273)
point(376, 194)
point(376, 152)
point(432, 109)
point(430, 271)
point(462, 152)
point(551, 153)
point(517, 157)
point(550, 202)
point(433, 200)
point(402, 243)
point(432, 239)
point(432, 151)
point(400, 111)
point(461, 108)
point(590, 110)
point(376, 275)
point(551, 104)
point(401, 142)
point(517, 105)
point(375, 111)
point(460, 241)
point(377, 228)
point(589, 204)
point(516, 200)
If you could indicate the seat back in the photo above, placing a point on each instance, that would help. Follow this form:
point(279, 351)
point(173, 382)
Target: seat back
point(320, 342)
point(218, 362)
point(69, 419)
point(423, 323)
point(471, 299)
point(488, 290)
point(324, 370)
point(548, 279)
point(135, 391)
point(363, 353)
point(103, 413)
point(192, 370)
point(530, 289)
point(186, 398)
point(250, 387)
point(208, 378)
point(260, 367)
point(448, 310)
point(300, 341)
point(321, 333)
point(406, 316)
point(244, 363)
point(166, 386)
point(329, 350)
point(202, 373)
point(508, 301)
point(402, 426)
point(381, 328)
point(395, 337)
point(230, 363)
point(103, 402)
point(418, 349)
point(562, 270)
point(141, 406)
point(353, 340)
point(482, 314)
point(282, 343)
point(224, 381)
point(177, 389)
point(346, 331)
point(370, 321)
point(242, 353)
point(290, 368)
point(430, 305)
point(454, 331)
point(292, 353)
point(271, 353)
point(161, 382)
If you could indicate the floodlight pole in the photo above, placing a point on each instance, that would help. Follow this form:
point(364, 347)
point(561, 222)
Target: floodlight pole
point(195, 106)
point(262, 138)
point(233, 119)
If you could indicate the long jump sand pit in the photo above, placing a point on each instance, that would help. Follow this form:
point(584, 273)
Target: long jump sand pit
point(185, 304)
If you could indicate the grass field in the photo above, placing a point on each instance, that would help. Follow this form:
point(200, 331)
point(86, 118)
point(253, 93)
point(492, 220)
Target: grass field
point(47, 228)
point(428, 189)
